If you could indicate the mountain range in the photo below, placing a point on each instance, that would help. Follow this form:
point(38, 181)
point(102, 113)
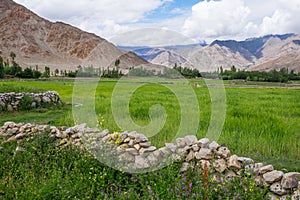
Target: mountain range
point(37, 41)
point(261, 54)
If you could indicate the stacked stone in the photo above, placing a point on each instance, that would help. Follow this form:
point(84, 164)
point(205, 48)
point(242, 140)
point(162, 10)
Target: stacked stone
point(135, 151)
point(11, 131)
point(11, 101)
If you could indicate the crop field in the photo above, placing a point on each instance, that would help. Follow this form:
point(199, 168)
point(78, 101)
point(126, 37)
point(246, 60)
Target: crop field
point(261, 122)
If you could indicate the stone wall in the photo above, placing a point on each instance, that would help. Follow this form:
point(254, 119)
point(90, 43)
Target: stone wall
point(24, 101)
point(137, 151)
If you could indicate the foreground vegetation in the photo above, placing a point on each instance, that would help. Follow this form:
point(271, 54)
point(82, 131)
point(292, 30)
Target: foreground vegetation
point(262, 123)
point(45, 171)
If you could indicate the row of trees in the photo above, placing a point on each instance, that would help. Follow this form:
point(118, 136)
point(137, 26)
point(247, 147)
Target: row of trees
point(12, 69)
point(283, 75)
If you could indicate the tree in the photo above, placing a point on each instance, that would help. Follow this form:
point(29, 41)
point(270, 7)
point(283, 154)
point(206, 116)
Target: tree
point(46, 73)
point(56, 72)
point(12, 55)
point(28, 73)
point(117, 63)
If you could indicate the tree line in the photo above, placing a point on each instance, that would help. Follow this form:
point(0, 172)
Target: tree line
point(283, 75)
point(10, 69)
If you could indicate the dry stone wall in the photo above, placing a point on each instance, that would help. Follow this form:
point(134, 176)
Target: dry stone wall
point(19, 101)
point(137, 150)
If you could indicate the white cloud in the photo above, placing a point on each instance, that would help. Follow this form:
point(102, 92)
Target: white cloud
point(207, 20)
point(239, 19)
point(90, 14)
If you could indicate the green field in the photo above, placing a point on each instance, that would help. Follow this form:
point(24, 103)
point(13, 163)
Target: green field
point(261, 122)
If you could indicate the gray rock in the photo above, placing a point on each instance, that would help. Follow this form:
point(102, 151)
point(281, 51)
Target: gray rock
point(234, 163)
point(127, 140)
point(203, 142)
point(126, 157)
point(145, 144)
point(137, 146)
point(141, 138)
point(245, 161)
point(220, 165)
point(132, 151)
point(33, 105)
point(190, 140)
point(80, 128)
point(147, 150)
point(278, 189)
point(185, 166)
point(180, 142)
point(132, 134)
point(290, 180)
point(141, 162)
point(204, 153)
point(20, 148)
point(224, 152)
point(266, 169)
point(171, 146)
point(214, 145)
point(103, 133)
point(230, 174)
point(195, 147)
point(273, 176)
point(10, 108)
point(131, 143)
point(20, 136)
point(190, 156)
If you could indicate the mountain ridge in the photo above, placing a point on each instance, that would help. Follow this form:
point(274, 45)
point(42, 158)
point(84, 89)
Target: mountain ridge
point(37, 41)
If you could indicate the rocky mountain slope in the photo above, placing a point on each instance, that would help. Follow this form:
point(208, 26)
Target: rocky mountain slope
point(37, 41)
point(262, 53)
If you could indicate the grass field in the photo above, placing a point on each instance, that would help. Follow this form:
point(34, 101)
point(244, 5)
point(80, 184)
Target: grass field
point(262, 123)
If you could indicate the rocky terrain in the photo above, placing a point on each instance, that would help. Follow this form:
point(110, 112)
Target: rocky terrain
point(37, 41)
point(262, 54)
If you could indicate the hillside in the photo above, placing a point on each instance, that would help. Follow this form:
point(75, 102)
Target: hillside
point(37, 41)
point(261, 53)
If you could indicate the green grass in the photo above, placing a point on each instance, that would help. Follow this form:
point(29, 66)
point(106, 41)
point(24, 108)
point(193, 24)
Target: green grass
point(262, 123)
point(45, 171)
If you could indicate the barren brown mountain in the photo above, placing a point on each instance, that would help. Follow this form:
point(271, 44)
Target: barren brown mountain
point(37, 41)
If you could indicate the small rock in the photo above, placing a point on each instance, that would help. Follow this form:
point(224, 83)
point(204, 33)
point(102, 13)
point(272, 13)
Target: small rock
point(213, 146)
point(20, 136)
point(195, 147)
point(290, 180)
point(145, 144)
point(190, 140)
point(204, 153)
point(127, 140)
point(141, 163)
point(12, 138)
point(103, 133)
point(10, 108)
point(224, 152)
point(141, 138)
point(203, 142)
point(147, 150)
point(137, 146)
point(131, 143)
point(230, 174)
point(132, 134)
point(132, 151)
point(273, 176)
point(220, 165)
point(171, 146)
point(245, 160)
point(233, 162)
point(20, 148)
point(185, 166)
point(266, 169)
point(180, 142)
point(278, 189)
point(190, 156)
point(126, 157)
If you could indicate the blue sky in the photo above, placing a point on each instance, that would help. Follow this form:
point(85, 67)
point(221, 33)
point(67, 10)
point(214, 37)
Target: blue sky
point(198, 20)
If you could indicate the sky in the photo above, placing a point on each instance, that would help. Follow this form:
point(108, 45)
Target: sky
point(192, 21)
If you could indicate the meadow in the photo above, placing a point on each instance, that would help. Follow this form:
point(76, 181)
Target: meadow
point(261, 122)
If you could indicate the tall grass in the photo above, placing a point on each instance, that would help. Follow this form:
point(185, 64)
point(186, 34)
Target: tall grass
point(262, 123)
